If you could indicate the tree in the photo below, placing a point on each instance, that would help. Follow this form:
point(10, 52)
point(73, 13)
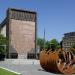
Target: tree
point(54, 44)
point(3, 43)
point(47, 45)
point(40, 43)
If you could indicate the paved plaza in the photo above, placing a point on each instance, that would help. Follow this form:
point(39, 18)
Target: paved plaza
point(25, 69)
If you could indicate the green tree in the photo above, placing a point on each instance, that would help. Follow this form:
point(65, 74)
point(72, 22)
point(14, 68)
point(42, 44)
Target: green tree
point(3, 43)
point(40, 43)
point(54, 44)
point(47, 45)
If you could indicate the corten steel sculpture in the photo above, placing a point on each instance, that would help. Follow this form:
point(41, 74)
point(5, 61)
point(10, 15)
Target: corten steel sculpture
point(57, 61)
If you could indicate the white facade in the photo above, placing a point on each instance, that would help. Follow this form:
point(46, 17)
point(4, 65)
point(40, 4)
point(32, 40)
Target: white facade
point(3, 31)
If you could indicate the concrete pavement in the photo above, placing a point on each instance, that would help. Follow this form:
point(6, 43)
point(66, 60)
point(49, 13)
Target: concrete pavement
point(25, 69)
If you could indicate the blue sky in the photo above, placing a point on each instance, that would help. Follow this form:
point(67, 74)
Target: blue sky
point(56, 16)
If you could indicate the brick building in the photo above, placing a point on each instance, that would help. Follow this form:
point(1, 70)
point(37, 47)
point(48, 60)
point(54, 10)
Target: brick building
point(68, 40)
point(20, 28)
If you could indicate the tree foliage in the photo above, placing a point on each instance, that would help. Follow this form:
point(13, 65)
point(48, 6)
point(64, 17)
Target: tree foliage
point(55, 44)
point(3, 43)
point(40, 43)
point(48, 44)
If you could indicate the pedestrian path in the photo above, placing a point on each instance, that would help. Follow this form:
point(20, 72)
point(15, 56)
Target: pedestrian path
point(25, 69)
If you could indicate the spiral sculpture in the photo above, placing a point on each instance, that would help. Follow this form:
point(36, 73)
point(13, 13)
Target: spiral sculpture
point(59, 61)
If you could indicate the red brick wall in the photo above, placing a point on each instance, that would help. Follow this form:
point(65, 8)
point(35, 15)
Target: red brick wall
point(22, 34)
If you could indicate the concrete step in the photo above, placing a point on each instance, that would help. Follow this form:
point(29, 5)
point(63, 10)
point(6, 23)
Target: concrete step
point(22, 61)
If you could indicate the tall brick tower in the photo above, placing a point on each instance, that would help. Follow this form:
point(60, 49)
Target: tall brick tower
point(21, 32)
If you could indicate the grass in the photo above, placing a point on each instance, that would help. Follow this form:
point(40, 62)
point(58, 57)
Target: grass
point(5, 72)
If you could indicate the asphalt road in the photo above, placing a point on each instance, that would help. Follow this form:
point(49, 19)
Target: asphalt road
point(26, 69)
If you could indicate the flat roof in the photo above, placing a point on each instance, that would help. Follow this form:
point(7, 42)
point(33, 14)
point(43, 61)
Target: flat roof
point(22, 10)
point(16, 9)
point(69, 33)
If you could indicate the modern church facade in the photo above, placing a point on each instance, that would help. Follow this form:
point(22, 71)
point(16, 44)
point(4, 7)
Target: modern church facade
point(20, 27)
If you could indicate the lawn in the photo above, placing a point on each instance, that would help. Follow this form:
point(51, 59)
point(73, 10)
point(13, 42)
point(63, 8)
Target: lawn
point(5, 72)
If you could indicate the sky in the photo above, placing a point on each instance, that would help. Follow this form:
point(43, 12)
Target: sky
point(56, 16)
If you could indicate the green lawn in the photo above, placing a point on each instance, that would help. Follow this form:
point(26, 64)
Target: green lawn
point(5, 72)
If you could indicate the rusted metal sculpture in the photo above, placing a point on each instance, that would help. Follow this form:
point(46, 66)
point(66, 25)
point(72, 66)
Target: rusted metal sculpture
point(59, 61)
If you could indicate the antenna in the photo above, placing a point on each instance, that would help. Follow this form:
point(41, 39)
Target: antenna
point(44, 38)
